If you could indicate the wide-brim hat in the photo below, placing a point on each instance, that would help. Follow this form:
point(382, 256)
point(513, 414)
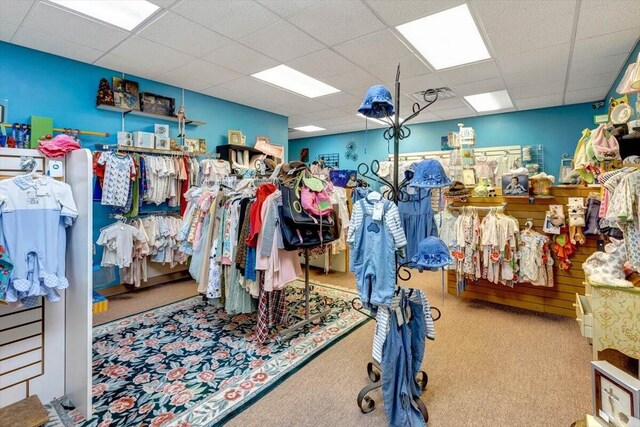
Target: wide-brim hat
point(377, 103)
point(457, 189)
point(429, 173)
point(432, 253)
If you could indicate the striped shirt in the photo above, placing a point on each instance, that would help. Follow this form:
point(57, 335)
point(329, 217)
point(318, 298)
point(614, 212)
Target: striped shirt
point(382, 320)
point(390, 216)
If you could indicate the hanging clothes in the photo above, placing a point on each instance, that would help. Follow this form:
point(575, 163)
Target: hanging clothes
point(417, 216)
point(46, 208)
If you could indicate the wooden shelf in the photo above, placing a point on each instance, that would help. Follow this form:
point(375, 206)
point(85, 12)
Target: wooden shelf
point(226, 147)
point(143, 114)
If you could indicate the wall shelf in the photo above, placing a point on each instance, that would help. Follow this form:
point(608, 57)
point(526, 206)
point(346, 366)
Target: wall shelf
point(143, 114)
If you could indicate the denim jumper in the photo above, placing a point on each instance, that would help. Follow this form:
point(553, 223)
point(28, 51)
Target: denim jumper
point(374, 261)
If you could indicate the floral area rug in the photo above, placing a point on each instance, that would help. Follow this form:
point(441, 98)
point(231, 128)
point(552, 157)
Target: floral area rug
point(191, 364)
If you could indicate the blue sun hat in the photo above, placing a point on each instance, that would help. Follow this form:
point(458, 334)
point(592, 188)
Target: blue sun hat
point(432, 253)
point(430, 174)
point(377, 103)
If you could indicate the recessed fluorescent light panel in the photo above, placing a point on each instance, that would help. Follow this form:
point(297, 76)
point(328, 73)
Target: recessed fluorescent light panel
point(126, 14)
point(309, 128)
point(447, 38)
point(490, 101)
point(295, 81)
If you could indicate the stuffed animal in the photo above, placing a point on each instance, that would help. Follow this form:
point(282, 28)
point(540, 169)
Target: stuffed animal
point(577, 211)
point(607, 268)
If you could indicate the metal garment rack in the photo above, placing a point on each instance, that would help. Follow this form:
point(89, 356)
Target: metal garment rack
point(307, 310)
point(397, 131)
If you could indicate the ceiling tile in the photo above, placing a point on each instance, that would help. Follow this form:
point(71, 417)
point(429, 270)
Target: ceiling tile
point(591, 23)
point(205, 72)
point(15, 11)
point(286, 8)
point(598, 64)
point(535, 61)
point(537, 89)
point(303, 105)
point(469, 73)
point(352, 80)
point(250, 86)
point(55, 45)
point(528, 26)
point(127, 66)
point(456, 113)
point(341, 99)
point(192, 38)
point(156, 57)
point(347, 119)
point(447, 104)
point(410, 66)
point(260, 104)
point(224, 93)
point(163, 3)
point(241, 59)
point(321, 64)
point(621, 42)
point(481, 86)
point(580, 82)
point(587, 95)
point(418, 83)
point(425, 116)
point(539, 101)
point(322, 115)
point(379, 47)
point(53, 21)
point(336, 21)
point(399, 12)
point(183, 81)
point(291, 42)
point(7, 30)
point(234, 19)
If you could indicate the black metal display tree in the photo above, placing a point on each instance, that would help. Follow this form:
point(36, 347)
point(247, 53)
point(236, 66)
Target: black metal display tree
point(397, 131)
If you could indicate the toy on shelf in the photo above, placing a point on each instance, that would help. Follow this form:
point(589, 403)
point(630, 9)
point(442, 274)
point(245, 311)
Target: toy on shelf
point(105, 94)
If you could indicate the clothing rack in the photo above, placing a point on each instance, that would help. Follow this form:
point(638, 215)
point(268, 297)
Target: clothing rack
point(502, 205)
point(307, 311)
point(396, 132)
point(509, 150)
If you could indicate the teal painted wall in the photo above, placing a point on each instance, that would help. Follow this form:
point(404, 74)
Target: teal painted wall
point(557, 128)
point(40, 84)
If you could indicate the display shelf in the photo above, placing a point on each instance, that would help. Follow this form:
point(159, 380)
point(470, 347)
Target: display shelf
point(146, 150)
point(143, 114)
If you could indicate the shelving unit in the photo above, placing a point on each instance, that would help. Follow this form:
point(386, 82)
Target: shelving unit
point(126, 111)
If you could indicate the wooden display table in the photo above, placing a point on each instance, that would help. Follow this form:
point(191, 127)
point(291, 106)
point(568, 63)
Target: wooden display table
point(28, 412)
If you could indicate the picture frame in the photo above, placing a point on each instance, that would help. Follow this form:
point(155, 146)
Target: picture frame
point(234, 137)
point(157, 104)
point(126, 94)
point(469, 177)
point(616, 395)
point(515, 185)
point(192, 145)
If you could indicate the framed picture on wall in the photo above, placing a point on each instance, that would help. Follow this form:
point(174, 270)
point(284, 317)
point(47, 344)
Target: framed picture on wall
point(126, 93)
point(515, 185)
point(616, 395)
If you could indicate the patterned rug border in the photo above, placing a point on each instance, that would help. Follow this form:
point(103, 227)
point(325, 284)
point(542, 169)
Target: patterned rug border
point(216, 409)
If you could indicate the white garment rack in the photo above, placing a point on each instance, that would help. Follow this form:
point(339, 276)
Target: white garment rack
point(46, 350)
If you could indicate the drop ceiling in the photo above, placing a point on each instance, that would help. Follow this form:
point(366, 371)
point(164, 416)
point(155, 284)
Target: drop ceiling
point(544, 53)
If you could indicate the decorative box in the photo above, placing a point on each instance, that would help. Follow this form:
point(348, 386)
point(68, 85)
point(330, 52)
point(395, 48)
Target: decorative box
point(143, 139)
point(125, 139)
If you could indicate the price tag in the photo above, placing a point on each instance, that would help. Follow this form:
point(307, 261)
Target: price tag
point(377, 211)
point(399, 316)
point(411, 190)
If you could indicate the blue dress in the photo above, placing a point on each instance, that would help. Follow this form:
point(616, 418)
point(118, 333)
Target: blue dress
point(417, 218)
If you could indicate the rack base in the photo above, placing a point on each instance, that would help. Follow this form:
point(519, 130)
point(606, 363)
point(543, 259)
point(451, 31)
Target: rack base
point(367, 404)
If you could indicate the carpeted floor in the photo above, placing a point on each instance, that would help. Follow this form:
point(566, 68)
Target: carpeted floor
point(489, 366)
